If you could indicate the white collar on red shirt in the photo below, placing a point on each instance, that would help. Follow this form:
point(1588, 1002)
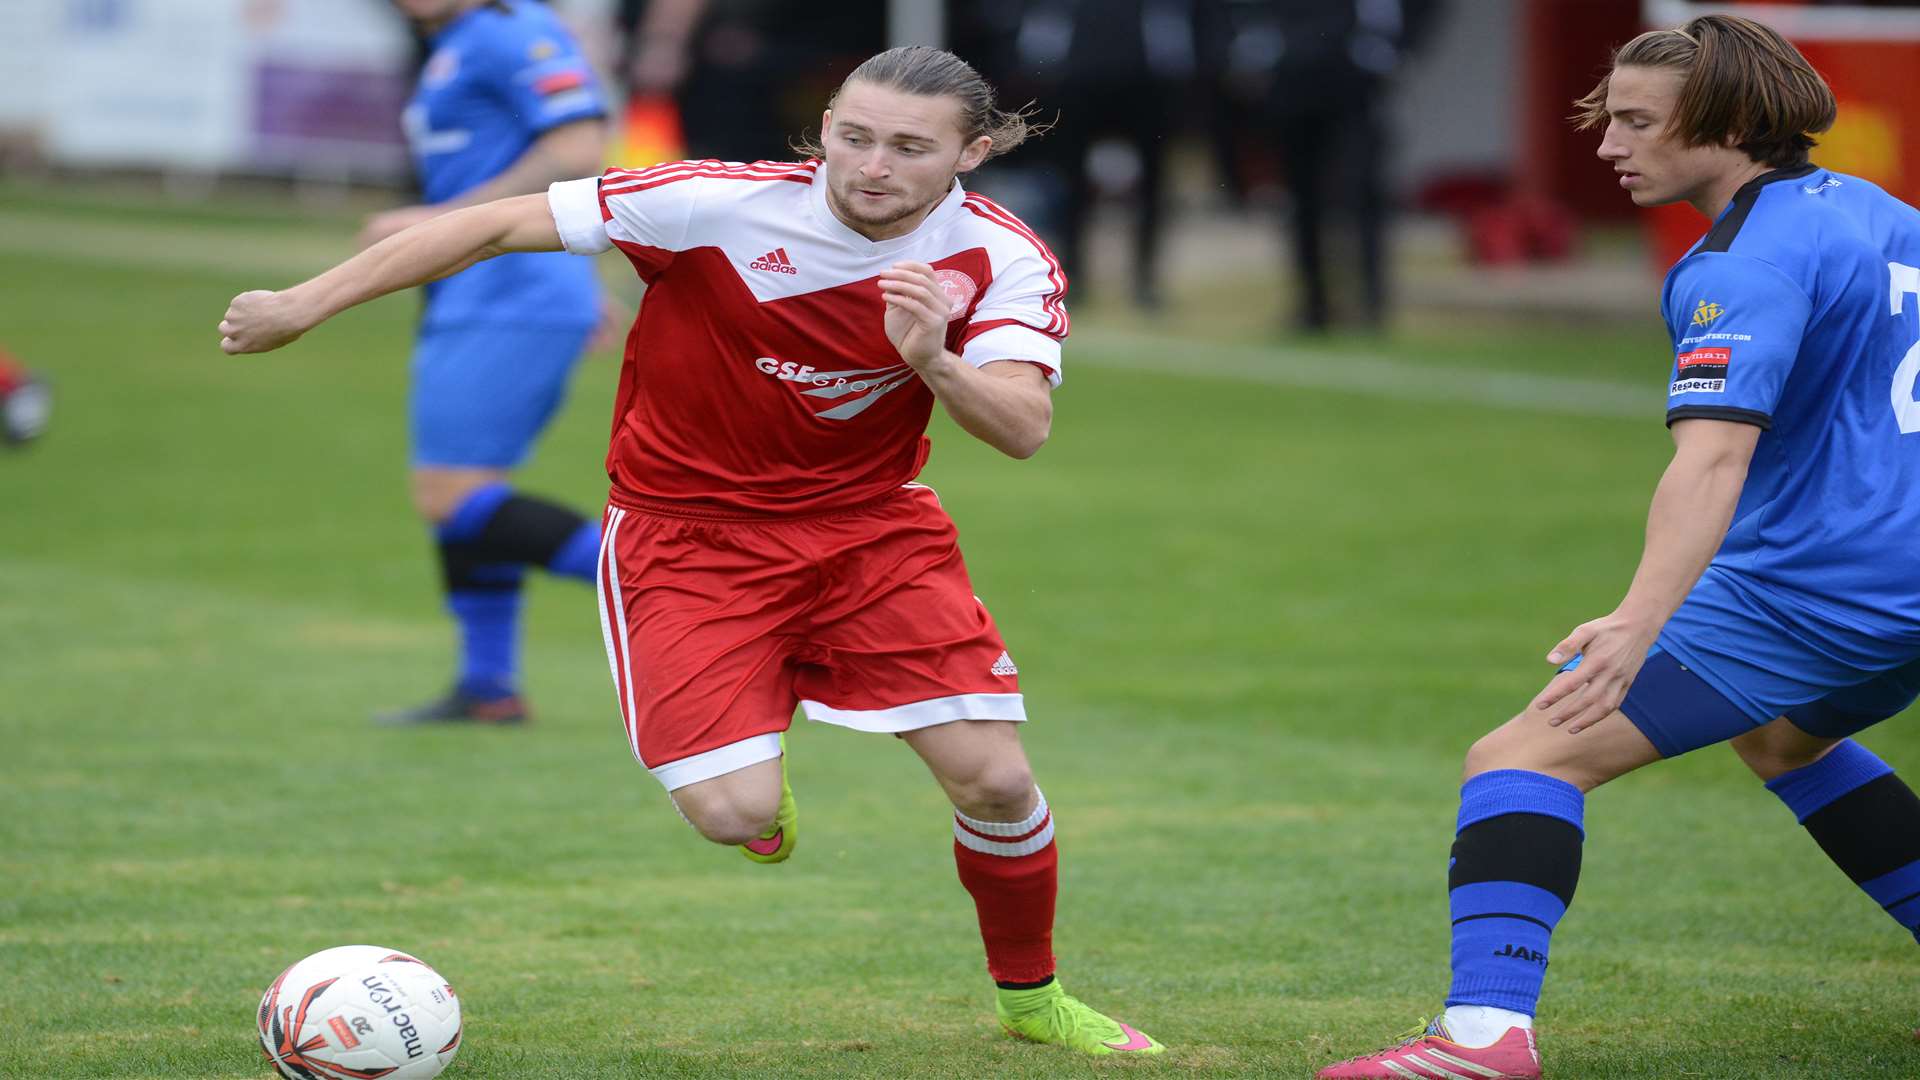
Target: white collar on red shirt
point(949, 208)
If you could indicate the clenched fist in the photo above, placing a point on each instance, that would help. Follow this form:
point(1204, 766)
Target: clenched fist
point(260, 321)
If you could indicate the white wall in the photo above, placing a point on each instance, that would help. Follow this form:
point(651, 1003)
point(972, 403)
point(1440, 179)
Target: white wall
point(1455, 107)
point(177, 83)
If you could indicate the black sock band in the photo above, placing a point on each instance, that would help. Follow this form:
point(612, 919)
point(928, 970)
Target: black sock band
point(1532, 849)
point(524, 529)
point(461, 571)
point(1870, 831)
point(1024, 985)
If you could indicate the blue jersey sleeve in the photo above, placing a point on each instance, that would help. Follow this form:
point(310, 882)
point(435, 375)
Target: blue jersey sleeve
point(1736, 324)
point(546, 80)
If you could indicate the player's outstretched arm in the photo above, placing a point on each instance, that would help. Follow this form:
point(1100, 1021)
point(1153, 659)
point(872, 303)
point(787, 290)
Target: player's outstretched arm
point(1688, 520)
point(263, 320)
point(1008, 406)
point(561, 153)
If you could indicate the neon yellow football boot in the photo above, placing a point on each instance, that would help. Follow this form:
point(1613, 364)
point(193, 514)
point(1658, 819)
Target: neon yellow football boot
point(1049, 1014)
point(776, 844)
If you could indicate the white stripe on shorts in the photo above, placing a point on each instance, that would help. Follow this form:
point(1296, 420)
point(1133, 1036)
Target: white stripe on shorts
point(921, 714)
point(718, 762)
point(613, 615)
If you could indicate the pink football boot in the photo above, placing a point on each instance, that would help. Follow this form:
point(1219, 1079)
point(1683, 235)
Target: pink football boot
point(1428, 1052)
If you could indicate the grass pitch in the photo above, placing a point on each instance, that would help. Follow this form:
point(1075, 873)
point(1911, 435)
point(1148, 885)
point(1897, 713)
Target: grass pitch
point(1259, 613)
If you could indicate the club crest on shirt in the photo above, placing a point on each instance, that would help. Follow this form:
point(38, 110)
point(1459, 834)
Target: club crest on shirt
point(960, 290)
point(542, 50)
point(1707, 312)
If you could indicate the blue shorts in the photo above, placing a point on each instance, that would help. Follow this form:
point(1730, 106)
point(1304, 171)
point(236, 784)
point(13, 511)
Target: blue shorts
point(482, 394)
point(1732, 659)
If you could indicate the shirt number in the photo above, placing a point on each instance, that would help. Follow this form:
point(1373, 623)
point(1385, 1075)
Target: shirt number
point(1905, 283)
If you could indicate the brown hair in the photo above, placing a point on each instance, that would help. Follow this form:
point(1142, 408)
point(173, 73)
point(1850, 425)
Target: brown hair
point(1745, 85)
point(931, 72)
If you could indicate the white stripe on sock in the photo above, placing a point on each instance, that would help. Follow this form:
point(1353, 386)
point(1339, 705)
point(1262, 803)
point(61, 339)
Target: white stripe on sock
point(1010, 828)
point(965, 830)
point(1028, 846)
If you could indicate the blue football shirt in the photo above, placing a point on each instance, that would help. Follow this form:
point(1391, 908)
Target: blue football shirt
point(494, 82)
point(1799, 312)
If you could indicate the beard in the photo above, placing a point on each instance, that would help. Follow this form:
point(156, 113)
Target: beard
point(846, 204)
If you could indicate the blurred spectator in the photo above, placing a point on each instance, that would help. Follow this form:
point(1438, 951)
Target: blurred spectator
point(1115, 73)
point(1314, 74)
point(747, 75)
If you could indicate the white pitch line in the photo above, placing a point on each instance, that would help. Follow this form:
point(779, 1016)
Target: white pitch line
point(280, 260)
point(282, 256)
point(1367, 375)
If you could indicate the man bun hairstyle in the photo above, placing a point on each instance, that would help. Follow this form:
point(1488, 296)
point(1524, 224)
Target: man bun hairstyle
point(1745, 85)
point(931, 72)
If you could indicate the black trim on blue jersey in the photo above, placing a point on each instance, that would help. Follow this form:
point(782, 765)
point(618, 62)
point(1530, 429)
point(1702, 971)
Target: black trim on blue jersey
point(1720, 412)
point(1720, 237)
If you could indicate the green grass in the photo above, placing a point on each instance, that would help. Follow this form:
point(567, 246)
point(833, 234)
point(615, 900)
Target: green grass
point(1258, 625)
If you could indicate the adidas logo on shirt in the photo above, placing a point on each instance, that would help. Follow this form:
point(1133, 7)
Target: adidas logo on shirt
point(775, 262)
point(1004, 666)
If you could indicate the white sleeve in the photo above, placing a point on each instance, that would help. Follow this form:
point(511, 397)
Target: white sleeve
point(652, 208)
point(576, 214)
point(1023, 317)
point(649, 209)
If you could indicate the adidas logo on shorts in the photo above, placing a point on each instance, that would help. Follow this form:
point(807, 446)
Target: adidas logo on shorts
point(1004, 666)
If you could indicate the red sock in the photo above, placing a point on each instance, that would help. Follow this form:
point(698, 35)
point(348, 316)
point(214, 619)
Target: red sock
point(1012, 870)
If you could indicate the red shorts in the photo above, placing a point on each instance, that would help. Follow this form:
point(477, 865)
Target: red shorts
point(716, 628)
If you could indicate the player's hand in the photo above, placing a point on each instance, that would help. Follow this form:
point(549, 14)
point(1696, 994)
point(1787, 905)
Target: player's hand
point(387, 222)
point(260, 321)
point(611, 330)
point(917, 313)
point(1611, 650)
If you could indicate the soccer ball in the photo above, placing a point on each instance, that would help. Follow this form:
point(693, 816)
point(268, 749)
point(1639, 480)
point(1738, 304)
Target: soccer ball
point(358, 1012)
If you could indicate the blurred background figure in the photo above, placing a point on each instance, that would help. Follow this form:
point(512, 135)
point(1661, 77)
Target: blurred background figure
point(26, 404)
point(1312, 76)
point(747, 76)
point(505, 105)
point(1117, 74)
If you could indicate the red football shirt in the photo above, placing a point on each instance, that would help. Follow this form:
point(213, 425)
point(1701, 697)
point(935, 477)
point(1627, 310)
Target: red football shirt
point(758, 375)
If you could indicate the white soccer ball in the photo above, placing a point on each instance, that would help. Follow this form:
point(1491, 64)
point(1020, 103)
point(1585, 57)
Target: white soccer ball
point(359, 1012)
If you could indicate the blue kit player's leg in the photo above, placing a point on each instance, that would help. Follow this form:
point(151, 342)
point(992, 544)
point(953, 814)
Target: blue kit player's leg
point(1725, 668)
point(1861, 814)
point(481, 396)
point(1516, 853)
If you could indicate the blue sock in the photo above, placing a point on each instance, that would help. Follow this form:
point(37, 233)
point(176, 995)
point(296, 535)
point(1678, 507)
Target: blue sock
point(485, 546)
point(579, 557)
point(1516, 860)
point(1866, 819)
point(489, 640)
point(483, 597)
